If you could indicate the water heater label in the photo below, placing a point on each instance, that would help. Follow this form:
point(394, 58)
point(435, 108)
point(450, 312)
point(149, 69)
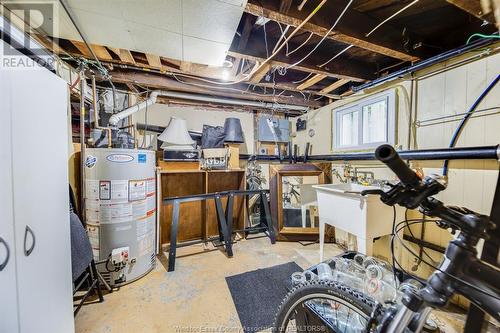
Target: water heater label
point(119, 158)
point(105, 190)
point(90, 161)
point(141, 158)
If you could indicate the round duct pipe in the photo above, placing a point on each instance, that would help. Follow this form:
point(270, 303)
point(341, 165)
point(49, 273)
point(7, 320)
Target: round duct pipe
point(114, 119)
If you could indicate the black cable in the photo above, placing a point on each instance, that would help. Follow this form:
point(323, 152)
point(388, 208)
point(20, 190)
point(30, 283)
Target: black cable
point(392, 243)
point(437, 268)
point(413, 235)
point(466, 117)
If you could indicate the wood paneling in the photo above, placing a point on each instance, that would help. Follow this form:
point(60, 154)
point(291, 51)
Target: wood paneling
point(218, 181)
point(191, 216)
point(198, 220)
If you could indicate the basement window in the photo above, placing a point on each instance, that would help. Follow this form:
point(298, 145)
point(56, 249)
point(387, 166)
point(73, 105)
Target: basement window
point(366, 123)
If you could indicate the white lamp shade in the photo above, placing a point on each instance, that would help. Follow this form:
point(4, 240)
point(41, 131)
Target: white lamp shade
point(176, 133)
point(169, 146)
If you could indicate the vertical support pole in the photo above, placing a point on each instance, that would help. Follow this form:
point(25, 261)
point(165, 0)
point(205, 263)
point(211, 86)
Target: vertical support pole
point(82, 146)
point(173, 237)
point(266, 218)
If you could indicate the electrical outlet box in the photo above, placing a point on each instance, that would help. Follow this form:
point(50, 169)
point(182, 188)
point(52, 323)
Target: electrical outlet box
point(119, 255)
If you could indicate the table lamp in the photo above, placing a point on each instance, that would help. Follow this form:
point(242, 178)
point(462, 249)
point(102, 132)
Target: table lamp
point(233, 138)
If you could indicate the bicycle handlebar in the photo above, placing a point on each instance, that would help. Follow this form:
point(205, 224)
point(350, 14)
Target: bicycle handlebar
point(388, 155)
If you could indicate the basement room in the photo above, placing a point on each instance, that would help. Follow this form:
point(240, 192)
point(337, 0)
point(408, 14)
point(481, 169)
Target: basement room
point(224, 166)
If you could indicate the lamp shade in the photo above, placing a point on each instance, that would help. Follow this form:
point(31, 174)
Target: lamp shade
point(176, 133)
point(233, 131)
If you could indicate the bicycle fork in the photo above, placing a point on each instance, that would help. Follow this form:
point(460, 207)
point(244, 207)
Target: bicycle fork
point(405, 318)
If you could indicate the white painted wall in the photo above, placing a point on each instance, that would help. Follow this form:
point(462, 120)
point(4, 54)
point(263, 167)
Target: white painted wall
point(196, 117)
point(471, 183)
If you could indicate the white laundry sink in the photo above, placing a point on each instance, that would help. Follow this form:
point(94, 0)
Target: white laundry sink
point(343, 206)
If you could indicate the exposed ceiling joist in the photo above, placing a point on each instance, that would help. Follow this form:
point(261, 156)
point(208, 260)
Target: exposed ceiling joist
point(82, 48)
point(312, 81)
point(473, 7)
point(333, 86)
point(365, 43)
point(124, 55)
point(153, 60)
point(101, 52)
point(247, 30)
point(303, 68)
point(260, 73)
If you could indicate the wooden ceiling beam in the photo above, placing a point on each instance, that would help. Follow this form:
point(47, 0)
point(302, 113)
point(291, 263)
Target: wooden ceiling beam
point(247, 30)
point(153, 60)
point(259, 74)
point(82, 48)
point(333, 86)
point(311, 81)
point(473, 7)
point(101, 52)
point(124, 55)
point(302, 67)
point(355, 39)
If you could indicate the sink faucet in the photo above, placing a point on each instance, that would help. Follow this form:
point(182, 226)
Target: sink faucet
point(364, 177)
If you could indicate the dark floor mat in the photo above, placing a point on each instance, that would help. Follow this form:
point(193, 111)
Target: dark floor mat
point(257, 294)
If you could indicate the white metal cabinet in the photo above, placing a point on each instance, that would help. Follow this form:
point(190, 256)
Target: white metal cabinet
point(36, 138)
point(8, 295)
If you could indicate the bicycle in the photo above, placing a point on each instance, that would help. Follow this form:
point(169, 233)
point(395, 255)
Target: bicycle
point(460, 272)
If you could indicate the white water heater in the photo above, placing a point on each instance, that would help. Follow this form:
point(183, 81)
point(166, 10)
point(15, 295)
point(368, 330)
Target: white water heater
point(120, 211)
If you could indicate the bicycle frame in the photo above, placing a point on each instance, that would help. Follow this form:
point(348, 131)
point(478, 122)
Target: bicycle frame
point(462, 263)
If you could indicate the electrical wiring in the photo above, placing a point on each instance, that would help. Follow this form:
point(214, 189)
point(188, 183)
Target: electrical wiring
point(492, 36)
point(336, 56)
point(324, 36)
point(302, 80)
point(283, 33)
point(372, 31)
point(224, 88)
point(398, 229)
point(265, 39)
point(300, 46)
point(391, 17)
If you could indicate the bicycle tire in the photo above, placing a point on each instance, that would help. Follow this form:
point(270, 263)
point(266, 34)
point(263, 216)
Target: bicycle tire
point(338, 292)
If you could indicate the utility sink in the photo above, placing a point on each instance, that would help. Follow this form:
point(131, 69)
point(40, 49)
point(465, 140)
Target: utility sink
point(343, 206)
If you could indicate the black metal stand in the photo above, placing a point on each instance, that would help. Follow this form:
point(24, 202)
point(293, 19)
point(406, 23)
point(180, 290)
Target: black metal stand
point(475, 316)
point(224, 219)
point(90, 277)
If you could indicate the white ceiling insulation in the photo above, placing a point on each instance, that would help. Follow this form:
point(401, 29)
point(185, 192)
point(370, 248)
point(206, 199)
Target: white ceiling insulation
point(198, 31)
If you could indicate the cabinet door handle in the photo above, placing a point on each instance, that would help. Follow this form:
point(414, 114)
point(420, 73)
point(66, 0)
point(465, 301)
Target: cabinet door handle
point(27, 252)
point(2, 265)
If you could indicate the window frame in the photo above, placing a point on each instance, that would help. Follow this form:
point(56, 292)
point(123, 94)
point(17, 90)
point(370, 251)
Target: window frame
point(390, 97)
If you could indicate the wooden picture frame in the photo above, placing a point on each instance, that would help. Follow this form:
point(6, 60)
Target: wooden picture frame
point(276, 174)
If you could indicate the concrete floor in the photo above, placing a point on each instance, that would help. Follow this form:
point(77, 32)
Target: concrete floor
point(195, 297)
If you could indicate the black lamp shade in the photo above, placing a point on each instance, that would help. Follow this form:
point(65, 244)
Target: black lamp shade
point(233, 131)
